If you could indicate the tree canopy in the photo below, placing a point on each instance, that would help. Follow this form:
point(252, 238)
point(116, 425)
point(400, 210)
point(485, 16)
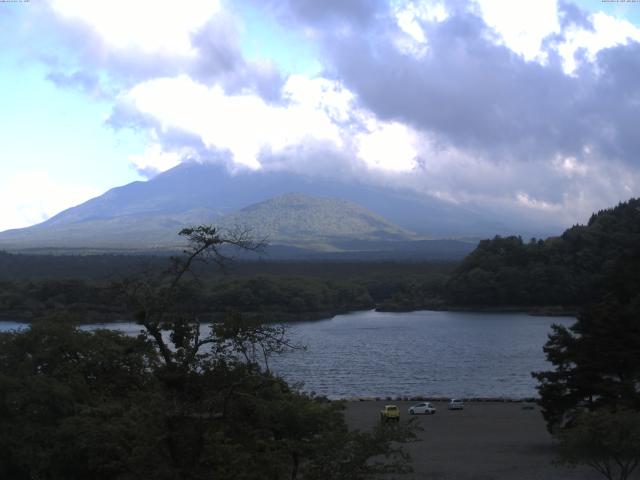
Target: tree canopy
point(597, 360)
point(176, 402)
point(566, 270)
point(591, 400)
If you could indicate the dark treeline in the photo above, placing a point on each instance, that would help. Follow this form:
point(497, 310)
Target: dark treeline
point(566, 270)
point(112, 266)
point(315, 290)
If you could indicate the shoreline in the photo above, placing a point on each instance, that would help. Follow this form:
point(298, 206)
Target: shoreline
point(534, 311)
point(420, 398)
point(96, 316)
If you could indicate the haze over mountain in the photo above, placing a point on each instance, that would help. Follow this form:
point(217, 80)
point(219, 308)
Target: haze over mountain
point(148, 215)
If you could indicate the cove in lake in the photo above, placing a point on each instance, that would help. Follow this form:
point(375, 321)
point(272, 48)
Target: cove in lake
point(424, 353)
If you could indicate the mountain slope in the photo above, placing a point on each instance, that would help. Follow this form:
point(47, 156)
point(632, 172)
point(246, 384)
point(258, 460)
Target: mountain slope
point(147, 215)
point(301, 220)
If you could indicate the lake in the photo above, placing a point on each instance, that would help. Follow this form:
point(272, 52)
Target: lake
point(428, 353)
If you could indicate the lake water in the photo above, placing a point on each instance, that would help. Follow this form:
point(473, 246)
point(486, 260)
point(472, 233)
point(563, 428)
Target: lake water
point(428, 353)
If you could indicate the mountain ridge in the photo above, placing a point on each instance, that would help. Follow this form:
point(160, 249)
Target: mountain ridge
point(147, 215)
point(296, 218)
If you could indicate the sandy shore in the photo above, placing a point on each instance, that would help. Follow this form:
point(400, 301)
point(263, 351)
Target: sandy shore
point(485, 441)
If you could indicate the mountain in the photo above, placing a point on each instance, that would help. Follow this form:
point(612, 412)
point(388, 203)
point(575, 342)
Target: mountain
point(147, 215)
point(297, 219)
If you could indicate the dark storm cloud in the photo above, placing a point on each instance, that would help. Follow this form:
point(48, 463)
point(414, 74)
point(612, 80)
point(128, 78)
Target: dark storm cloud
point(479, 95)
point(323, 13)
point(220, 60)
point(613, 110)
point(505, 134)
point(470, 91)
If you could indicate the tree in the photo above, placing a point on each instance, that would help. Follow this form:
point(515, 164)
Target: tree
point(591, 401)
point(159, 305)
point(177, 402)
point(607, 441)
point(75, 404)
point(596, 360)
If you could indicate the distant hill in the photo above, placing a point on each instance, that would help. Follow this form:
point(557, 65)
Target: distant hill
point(146, 216)
point(567, 270)
point(322, 224)
point(295, 225)
point(210, 191)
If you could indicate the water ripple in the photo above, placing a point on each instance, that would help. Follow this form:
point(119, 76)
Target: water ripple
point(438, 354)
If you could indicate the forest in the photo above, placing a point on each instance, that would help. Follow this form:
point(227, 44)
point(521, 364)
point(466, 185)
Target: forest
point(558, 274)
point(174, 403)
point(90, 288)
point(566, 270)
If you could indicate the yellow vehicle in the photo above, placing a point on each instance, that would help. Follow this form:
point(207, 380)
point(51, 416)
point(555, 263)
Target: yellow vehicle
point(390, 413)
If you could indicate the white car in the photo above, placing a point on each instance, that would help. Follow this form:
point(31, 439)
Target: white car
point(455, 404)
point(422, 408)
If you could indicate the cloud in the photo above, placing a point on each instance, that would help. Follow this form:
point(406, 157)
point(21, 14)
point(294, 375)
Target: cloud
point(316, 117)
point(468, 90)
point(390, 146)
point(330, 12)
point(148, 26)
point(582, 43)
point(479, 88)
point(84, 81)
point(127, 43)
point(522, 26)
point(516, 107)
point(156, 159)
point(244, 124)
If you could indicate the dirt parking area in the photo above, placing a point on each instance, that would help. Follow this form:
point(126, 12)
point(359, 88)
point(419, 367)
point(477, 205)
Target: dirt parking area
point(485, 441)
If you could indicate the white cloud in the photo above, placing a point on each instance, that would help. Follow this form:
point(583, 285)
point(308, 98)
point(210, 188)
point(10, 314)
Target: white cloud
point(320, 94)
point(155, 159)
point(149, 25)
point(243, 124)
point(536, 204)
point(522, 25)
point(388, 146)
point(570, 166)
point(607, 32)
point(32, 197)
point(315, 110)
point(410, 17)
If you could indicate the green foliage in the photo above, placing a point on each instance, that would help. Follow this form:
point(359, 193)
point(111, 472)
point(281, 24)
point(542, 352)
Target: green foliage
point(292, 295)
point(590, 400)
point(74, 402)
point(607, 441)
point(566, 270)
point(274, 291)
point(358, 456)
point(597, 360)
point(178, 402)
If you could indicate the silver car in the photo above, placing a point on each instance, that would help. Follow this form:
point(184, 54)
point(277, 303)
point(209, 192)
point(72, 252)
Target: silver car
point(455, 404)
point(424, 408)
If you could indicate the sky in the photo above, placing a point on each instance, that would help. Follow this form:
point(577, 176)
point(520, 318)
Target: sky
point(530, 108)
